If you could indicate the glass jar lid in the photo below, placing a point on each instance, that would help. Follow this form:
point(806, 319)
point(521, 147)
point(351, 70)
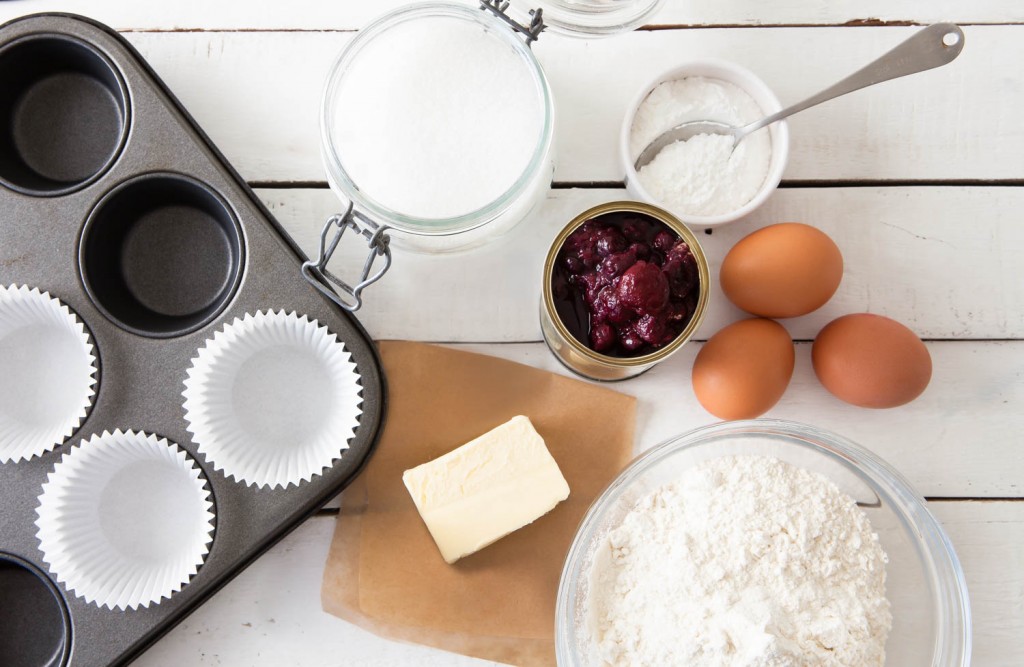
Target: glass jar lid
point(589, 18)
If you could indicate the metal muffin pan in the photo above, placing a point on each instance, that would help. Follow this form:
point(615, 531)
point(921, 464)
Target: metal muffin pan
point(116, 203)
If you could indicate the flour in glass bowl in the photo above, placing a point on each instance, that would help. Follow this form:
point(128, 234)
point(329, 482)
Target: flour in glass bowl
point(744, 561)
point(703, 176)
point(437, 117)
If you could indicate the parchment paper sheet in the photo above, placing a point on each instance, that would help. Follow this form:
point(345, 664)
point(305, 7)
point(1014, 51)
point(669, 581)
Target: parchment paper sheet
point(384, 572)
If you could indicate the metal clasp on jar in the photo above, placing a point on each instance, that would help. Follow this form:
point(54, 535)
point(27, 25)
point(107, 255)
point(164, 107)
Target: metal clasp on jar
point(530, 32)
point(327, 283)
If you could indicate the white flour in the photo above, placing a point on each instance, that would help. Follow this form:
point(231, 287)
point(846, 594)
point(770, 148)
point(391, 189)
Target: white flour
point(744, 561)
point(437, 118)
point(704, 175)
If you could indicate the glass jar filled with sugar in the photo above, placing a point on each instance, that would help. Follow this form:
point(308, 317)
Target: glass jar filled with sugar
point(437, 126)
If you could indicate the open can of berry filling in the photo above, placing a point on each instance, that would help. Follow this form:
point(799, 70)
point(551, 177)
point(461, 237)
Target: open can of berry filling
point(625, 285)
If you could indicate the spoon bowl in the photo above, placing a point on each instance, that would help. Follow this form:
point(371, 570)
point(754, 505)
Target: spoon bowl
point(685, 132)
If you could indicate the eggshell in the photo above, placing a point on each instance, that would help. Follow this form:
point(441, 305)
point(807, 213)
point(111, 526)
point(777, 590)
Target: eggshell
point(782, 270)
point(871, 361)
point(743, 370)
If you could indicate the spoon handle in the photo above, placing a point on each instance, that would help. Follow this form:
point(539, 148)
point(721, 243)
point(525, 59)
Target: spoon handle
point(930, 47)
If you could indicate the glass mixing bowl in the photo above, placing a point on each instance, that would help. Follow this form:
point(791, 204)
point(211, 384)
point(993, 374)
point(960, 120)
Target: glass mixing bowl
point(925, 583)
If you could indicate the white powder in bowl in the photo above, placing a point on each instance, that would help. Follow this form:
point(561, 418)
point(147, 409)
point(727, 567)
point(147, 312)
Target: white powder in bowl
point(437, 117)
point(703, 176)
point(743, 561)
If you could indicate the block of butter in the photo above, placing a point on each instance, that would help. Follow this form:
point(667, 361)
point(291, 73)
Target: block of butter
point(477, 494)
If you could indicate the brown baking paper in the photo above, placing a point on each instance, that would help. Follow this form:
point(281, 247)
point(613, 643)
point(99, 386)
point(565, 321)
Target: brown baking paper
point(384, 572)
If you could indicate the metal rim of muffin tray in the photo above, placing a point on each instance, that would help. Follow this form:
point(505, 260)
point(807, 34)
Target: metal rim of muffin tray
point(55, 235)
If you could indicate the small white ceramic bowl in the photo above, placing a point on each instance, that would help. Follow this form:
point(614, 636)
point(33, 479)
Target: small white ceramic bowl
point(756, 88)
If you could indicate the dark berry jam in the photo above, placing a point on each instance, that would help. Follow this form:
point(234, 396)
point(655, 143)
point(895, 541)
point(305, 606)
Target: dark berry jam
point(624, 284)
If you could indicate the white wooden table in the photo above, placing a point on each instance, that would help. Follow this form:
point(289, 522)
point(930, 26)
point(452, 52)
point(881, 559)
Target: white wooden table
point(920, 181)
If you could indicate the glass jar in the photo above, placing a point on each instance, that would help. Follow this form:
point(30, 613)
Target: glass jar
point(418, 208)
point(463, 229)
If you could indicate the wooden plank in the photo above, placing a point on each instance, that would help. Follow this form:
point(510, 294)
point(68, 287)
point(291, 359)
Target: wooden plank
point(956, 122)
point(943, 260)
point(258, 96)
point(989, 539)
point(349, 15)
point(830, 12)
point(271, 614)
point(960, 439)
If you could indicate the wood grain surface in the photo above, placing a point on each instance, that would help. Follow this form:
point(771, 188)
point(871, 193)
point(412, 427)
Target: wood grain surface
point(920, 182)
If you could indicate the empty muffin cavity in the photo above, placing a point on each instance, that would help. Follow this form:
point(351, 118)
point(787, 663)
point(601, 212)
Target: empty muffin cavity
point(34, 616)
point(64, 114)
point(161, 255)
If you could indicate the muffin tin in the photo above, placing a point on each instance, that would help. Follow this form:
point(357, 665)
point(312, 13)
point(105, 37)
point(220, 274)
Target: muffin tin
point(116, 203)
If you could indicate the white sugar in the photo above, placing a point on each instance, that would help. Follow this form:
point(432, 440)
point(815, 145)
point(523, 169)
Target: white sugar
point(704, 175)
point(437, 117)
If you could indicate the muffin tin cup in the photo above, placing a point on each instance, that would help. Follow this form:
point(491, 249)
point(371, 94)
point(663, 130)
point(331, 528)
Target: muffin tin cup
point(64, 114)
point(48, 371)
point(161, 255)
point(34, 618)
point(273, 399)
point(155, 248)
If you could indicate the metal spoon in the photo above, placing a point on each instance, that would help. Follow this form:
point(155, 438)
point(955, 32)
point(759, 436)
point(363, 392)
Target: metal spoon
point(931, 47)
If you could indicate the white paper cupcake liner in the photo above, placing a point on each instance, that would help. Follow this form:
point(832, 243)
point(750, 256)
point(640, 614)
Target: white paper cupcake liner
point(273, 399)
point(47, 373)
point(124, 520)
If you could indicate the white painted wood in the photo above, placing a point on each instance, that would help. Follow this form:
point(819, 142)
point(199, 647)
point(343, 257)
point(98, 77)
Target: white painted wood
point(988, 537)
point(348, 14)
point(961, 438)
point(270, 615)
point(952, 122)
point(258, 95)
point(944, 260)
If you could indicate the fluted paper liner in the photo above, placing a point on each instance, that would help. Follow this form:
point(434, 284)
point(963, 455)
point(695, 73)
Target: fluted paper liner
point(272, 399)
point(47, 373)
point(124, 520)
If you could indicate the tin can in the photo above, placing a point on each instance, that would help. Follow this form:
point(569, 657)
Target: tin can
point(575, 355)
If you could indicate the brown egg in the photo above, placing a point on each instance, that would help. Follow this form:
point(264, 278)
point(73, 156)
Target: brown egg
point(871, 361)
point(744, 369)
point(783, 270)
